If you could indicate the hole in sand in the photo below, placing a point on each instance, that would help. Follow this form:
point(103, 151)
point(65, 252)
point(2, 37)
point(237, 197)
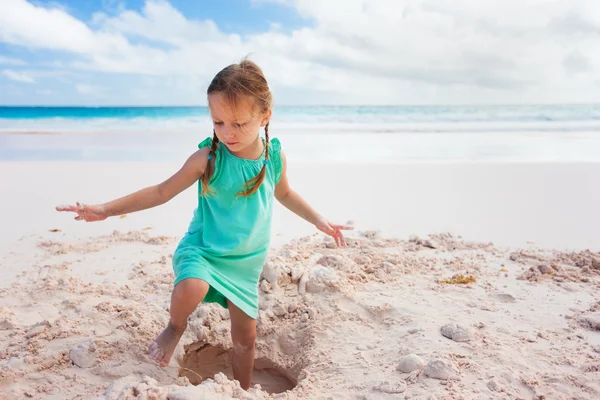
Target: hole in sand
point(203, 363)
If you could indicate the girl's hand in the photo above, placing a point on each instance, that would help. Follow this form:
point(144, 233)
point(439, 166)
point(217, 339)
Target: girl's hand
point(86, 212)
point(333, 230)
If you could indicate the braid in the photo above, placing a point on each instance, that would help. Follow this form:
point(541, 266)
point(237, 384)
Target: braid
point(210, 166)
point(253, 184)
point(214, 144)
point(267, 142)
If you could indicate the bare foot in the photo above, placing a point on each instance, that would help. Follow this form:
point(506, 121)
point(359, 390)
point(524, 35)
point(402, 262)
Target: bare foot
point(162, 348)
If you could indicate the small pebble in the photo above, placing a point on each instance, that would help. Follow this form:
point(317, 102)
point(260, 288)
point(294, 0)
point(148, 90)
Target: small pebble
point(429, 243)
point(36, 330)
point(456, 332)
point(293, 306)
point(493, 386)
point(505, 298)
point(279, 310)
point(439, 369)
point(83, 355)
point(542, 335)
point(265, 286)
point(544, 269)
point(6, 325)
point(410, 363)
point(391, 387)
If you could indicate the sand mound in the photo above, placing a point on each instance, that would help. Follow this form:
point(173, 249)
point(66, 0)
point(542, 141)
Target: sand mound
point(381, 319)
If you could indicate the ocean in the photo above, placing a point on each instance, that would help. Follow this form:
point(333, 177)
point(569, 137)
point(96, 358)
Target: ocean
point(338, 134)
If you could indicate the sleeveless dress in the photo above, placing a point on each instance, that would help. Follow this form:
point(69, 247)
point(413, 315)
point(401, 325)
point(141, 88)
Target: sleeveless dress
point(228, 239)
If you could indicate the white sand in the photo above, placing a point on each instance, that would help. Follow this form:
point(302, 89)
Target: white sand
point(79, 306)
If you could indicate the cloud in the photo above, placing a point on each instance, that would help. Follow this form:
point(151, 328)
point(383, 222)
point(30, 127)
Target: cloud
point(18, 76)
point(352, 51)
point(11, 61)
point(89, 89)
point(160, 22)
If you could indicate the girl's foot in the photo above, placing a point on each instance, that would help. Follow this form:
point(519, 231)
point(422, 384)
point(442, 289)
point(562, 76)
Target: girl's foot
point(162, 348)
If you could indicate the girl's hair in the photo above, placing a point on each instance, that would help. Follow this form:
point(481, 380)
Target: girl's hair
point(236, 82)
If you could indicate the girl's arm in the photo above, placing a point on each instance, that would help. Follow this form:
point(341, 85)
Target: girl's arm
point(296, 204)
point(149, 197)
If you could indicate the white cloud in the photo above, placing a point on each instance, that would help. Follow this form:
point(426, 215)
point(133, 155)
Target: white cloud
point(89, 89)
point(18, 76)
point(355, 51)
point(11, 61)
point(162, 23)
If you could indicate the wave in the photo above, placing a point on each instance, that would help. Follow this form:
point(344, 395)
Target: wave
point(290, 125)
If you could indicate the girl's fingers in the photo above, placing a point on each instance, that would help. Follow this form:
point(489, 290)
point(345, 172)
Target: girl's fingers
point(335, 231)
point(65, 208)
point(78, 218)
point(343, 240)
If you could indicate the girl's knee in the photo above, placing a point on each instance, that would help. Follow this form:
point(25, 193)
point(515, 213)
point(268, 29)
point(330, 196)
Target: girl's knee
point(191, 287)
point(244, 343)
point(244, 339)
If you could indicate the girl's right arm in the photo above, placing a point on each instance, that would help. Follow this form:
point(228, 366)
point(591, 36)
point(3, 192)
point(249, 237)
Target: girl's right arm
point(149, 197)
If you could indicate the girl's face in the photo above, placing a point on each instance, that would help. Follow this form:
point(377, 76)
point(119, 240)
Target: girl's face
point(236, 128)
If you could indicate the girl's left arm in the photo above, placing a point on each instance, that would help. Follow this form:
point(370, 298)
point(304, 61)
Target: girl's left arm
point(296, 204)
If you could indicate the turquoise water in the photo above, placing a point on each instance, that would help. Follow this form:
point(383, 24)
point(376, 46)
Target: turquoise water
point(81, 113)
point(348, 114)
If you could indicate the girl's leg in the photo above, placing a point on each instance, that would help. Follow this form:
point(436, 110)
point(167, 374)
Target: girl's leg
point(243, 335)
point(186, 296)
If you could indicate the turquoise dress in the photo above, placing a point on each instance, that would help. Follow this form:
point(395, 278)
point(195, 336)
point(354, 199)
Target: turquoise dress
point(228, 239)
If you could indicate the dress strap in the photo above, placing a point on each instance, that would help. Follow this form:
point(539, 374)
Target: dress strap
point(205, 143)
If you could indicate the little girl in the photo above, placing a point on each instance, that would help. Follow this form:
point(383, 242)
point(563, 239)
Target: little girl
point(221, 256)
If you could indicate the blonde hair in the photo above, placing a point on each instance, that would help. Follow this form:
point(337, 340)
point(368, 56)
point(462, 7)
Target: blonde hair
point(237, 81)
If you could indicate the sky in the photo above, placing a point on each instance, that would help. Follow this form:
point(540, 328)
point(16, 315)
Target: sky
point(313, 52)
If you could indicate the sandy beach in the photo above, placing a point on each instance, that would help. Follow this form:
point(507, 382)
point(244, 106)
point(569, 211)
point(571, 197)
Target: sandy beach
point(461, 281)
point(458, 143)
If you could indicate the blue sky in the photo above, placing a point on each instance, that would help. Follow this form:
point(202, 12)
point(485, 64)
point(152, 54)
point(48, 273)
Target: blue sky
point(233, 16)
point(165, 52)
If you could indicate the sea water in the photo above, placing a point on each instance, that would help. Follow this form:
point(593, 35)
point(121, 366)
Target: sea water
point(314, 134)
